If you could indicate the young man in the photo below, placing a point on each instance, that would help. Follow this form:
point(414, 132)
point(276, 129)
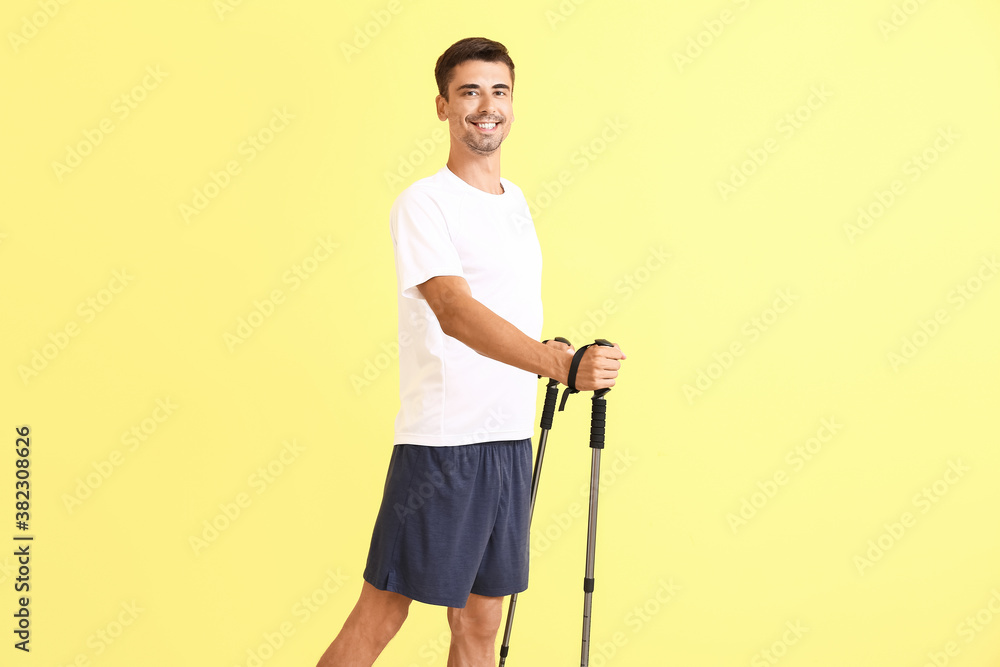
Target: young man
point(453, 526)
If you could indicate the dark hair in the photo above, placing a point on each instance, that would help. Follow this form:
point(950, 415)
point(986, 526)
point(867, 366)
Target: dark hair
point(470, 48)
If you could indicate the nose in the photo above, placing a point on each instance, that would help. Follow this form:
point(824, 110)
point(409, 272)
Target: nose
point(487, 104)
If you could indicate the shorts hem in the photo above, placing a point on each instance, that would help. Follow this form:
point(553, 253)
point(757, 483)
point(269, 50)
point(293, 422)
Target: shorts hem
point(501, 591)
point(392, 587)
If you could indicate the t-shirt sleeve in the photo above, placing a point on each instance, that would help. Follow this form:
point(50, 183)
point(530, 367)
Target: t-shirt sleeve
point(423, 245)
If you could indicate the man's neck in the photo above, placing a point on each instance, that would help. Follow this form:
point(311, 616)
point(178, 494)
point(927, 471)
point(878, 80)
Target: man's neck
point(479, 171)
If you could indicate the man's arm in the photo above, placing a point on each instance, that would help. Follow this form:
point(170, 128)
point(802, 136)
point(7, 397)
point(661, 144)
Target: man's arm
point(464, 318)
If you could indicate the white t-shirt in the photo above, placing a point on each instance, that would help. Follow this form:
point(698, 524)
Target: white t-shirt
point(449, 394)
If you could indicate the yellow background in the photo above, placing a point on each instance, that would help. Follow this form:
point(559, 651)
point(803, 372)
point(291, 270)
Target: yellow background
point(354, 85)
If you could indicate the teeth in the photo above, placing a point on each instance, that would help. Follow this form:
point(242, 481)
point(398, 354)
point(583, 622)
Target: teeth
point(487, 126)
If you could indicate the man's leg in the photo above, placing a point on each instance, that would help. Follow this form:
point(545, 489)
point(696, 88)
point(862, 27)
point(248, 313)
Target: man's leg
point(375, 620)
point(474, 632)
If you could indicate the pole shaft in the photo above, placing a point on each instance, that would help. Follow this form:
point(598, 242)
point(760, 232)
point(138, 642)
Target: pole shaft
point(536, 475)
point(588, 581)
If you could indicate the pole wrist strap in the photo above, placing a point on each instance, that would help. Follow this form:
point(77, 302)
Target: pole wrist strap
point(574, 366)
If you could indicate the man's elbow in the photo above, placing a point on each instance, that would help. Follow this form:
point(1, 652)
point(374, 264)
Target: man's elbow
point(444, 312)
point(453, 320)
point(449, 307)
point(447, 323)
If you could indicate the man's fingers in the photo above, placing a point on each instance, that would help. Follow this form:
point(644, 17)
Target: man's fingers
point(607, 362)
point(609, 352)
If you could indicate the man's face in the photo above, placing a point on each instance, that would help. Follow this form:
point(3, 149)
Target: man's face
point(479, 92)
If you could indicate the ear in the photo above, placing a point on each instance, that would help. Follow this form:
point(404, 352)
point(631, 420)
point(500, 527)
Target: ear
point(440, 103)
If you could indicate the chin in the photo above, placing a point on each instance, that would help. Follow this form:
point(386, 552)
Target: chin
point(483, 150)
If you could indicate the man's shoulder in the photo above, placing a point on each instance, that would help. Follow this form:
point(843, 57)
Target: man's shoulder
point(425, 189)
point(441, 191)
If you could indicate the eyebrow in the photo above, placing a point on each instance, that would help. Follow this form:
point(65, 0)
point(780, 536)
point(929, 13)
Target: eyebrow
point(475, 86)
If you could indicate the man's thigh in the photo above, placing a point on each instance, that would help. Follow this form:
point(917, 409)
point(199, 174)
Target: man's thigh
point(453, 521)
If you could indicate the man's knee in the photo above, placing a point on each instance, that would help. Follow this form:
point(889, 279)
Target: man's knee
point(393, 618)
point(480, 617)
point(383, 611)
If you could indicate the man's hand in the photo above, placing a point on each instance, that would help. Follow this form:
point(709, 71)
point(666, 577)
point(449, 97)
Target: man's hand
point(598, 368)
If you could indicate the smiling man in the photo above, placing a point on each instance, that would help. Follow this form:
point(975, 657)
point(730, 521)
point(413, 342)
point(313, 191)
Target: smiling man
point(452, 529)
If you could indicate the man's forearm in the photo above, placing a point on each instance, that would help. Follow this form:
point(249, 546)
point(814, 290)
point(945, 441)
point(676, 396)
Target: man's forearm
point(472, 323)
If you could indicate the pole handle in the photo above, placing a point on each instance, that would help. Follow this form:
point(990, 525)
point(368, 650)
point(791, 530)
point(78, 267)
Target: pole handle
point(551, 394)
point(549, 409)
point(598, 414)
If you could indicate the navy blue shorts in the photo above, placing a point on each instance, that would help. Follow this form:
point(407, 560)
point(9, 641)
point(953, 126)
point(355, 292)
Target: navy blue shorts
point(453, 521)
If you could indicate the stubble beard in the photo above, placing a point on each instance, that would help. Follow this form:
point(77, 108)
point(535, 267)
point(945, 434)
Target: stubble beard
point(483, 144)
point(487, 147)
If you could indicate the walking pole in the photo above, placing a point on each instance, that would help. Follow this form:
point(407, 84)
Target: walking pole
point(597, 415)
point(548, 410)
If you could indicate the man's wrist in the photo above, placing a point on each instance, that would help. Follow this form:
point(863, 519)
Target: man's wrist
point(561, 360)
